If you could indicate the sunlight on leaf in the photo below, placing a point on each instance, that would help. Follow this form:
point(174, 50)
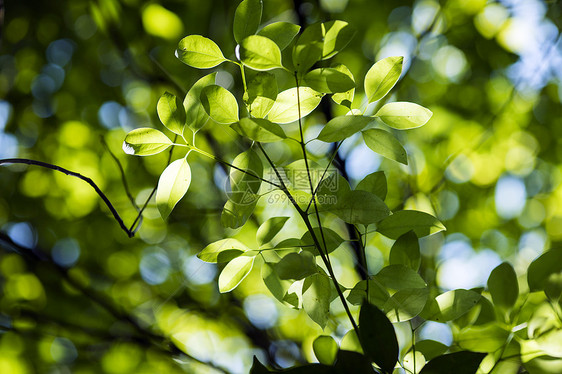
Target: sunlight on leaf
point(247, 18)
point(385, 144)
point(260, 53)
point(381, 77)
point(171, 113)
point(404, 115)
point(234, 273)
point(285, 109)
point(199, 52)
point(145, 142)
point(172, 186)
point(219, 104)
point(282, 33)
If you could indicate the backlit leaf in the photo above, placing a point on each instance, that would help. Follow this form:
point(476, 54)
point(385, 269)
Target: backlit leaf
point(172, 186)
point(325, 349)
point(543, 267)
point(377, 337)
point(219, 104)
point(285, 109)
point(196, 117)
point(234, 273)
point(282, 33)
point(399, 277)
point(503, 286)
point(222, 250)
point(316, 293)
point(378, 294)
point(171, 113)
point(247, 18)
point(269, 229)
point(405, 304)
point(450, 305)
point(327, 236)
point(199, 52)
point(404, 115)
point(296, 266)
point(484, 338)
point(374, 183)
point(235, 215)
point(261, 93)
point(145, 141)
point(359, 207)
point(403, 221)
point(342, 127)
point(337, 35)
point(385, 144)
point(274, 284)
point(406, 251)
point(344, 98)
point(260, 53)
point(308, 48)
point(382, 76)
point(328, 80)
point(260, 130)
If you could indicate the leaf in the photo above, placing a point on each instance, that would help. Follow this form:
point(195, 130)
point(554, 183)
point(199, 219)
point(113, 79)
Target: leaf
point(484, 338)
point(296, 266)
point(431, 348)
point(235, 215)
point(145, 141)
point(196, 117)
point(359, 207)
point(403, 221)
point(406, 304)
point(352, 362)
point(247, 18)
point(328, 80)
point(199, 52)
point(374, 183)
point(378, 295)
point(337, 35)
point(316, 292)
point(172, 186)
point(222, 250)
point(385, 144)
point(285, 109)
point(551, 343)
point(377, 337)
point(261, 93)
point(325, 349)
point(382, 76)
point(399, 277)
point(543, 267)
point(342, 127)
point(260, 53)
point(462, 362)
point(503, 286)
point(259, 130)
point(171, 113)
point(450, 305)
point(308, 48)
point(219, 104)
point(258, 368)
point(282, 33)
point(245, 177)
point(274, 284)
point(234, 273)
point(344, 98)
point(404, 115)
point(406, 251)
point(331, 238)
point(269, 229)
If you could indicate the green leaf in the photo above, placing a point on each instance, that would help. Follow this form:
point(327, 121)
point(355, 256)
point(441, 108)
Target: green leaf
point(352, 362)
point(244, 184)
point(145, 141)
point(406, 304)
point(196, 116)
point(404, 115)
point(399, 277)
point(325, 349)
point(551, 343)
point(378, 295)
point(261, 93)
point(316, 291)
point(359, 207)
point(172, 186)
point(308, 48)
point(385, 144)
point(259, 130)
point(374, 183)
point(199, 52)
point(462, 362)
point(431, 348)
point(503, 286)
point(296, 266)
point(171, 113)
point(234, 273)
point(260, 53)
point(235, 215)
point(450, 305)
point(219, 104)
point(377, 337)
point(342, 127)
point(328, 80)
point(269, 229)
point(484, 338)
point(285, 109)
point(337, 35)
point(406, 251)
point(332, 239)
point(247, 18)
point(274, 284)
point(222, 250)
point(403, 221)
point(282, 33)
point(381, 77)
point(350, 342)
point(541, 269)
point(344, 98)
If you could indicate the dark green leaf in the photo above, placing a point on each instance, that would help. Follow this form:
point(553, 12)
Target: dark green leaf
point(258, 368)
point(378, 295)
point(406, 251)
point(196, 117)
point(450, 305)
point(199, 52)
point(331, 238)
point(171, 113)
point(247, 18)
point(219, 104)
point(282, 33)
point(348, 362)
point(359, 207)
point(328, 80)
point(343, 127)
point(260, 53)
point(462, 362)
point(543, 267)
point(385, 144)
point(399, 277)
point(377, 337)
point(325, 349)
point(374, 183)
point(431, 348)
point(381, 77)
point(403, 221)
point(274, 284)
point(503, 286)
point(261, 93)
point(296, 266)
point(259, 130)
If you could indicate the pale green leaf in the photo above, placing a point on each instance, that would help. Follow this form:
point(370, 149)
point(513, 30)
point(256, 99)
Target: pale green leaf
point(543, 267)
point(260, 53)
point(551, 343)
point(247, 18)
point(450, 305)
point(325, 349)
point(199, 52)
point(503, 286)
point(145, 141)
point(342, 127)
point(337, 35)
point(296, 266)
point(171, 113)
point(196, 117)
point(261, 93)
point(285, 109)
point(404, 115)
point(328, 80)
point(406, 251)
point(259, 130)
point(316, 292)
point(219, 104)
point(234, 273)
point(385, 144)
point(382, 76)
point(344, 98)
point(403, 221)
point(172, 186)
point(282, 33)
point(222, 250)
point(374, 183)
point(269, 229)
point(484, 338)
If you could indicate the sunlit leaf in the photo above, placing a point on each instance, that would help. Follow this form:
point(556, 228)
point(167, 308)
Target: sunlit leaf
point(431, 348)
point(296, 266)
point(247, 18)
point(450, 305)
point(234, 273)
point(171, 112)
point(269, 229)
point(274, 284)
point(316, 292)
point(222, 250)
point(406, 251)
point(328, 237)
point(551, 343)
point(328, 80)
point(374, 183)
point(235, 215)
point(344, 98)
point(196, 117)
point(286, 110)
point(360, 207)
point(406, 304)
point(543, 268)
point(385, 144)
point(378, 294)
point(261, 93)
point(245, 177)
point(403, 221)
point(377, 337)
point(145, 141)
point(484, 338)
point(404, 115)
point(260, 53)
point(462, 362)
point(503, 286)
point(342, 127)
point(381, 77)
point(337, 35)
point(308, 48)
point(260, 130)
point(219, 104)
point(399, 277)
point(172, 186)
point(282, 33)
point(350, 342)
point(199, 52)
point(325, 349)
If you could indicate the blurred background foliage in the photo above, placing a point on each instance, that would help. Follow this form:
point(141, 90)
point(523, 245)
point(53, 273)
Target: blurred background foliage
point(78, 296)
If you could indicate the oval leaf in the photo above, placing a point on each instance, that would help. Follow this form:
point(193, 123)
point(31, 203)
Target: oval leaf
point(406, 304)
point(503, 286)
point(374, 183)
point(450, 305)
point(196, 117)
point(171, 113)
point(344, 98)
point(247, 18)
point(269, 229)
point(328, 80)
point(234, 273)
point(463, 362)
point(377, 337)
point(399, 277)
point(485, 338)
point(359, 207)
point(308, 48)
point(296, 266)
point(282, 33)
point(382, 76)
point(260, 53)
point(316, 291)
point(406, 251)
point(199, 52)
point(342, 127)
point(337, 35)
point(403, 221)
point(259, 130)
point(222, 251)
point(285, 109)
point(404, 115)
point(325, 349)
point(172, 186)
point(385, 144)
point(219, 104)
point(145, 141)
point(329, 237)
point(261, 93)
point(543, 267)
